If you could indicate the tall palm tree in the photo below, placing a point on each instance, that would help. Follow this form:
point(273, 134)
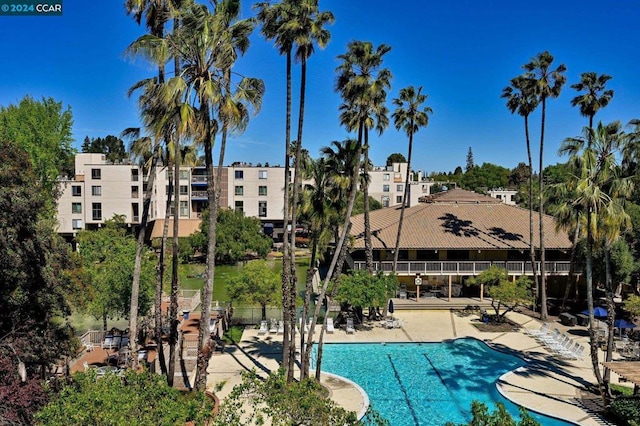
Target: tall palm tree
point(547, 83)
point(362, 83)
point(595, 98)
point(522, 99)
point(409, 116)
point(600, 189)
point(273, 19)
point(308, 29)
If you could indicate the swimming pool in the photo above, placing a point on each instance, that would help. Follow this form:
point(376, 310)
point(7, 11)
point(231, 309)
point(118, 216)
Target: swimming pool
point(426, 383)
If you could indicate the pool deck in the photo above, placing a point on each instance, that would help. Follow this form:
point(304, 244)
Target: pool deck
point(547, 384)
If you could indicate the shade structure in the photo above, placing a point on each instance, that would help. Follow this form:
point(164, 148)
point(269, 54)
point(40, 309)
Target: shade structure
point(598, 312)
point(623, 323)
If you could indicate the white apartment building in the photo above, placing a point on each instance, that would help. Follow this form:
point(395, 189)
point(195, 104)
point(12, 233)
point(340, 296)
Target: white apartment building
point(101, 189)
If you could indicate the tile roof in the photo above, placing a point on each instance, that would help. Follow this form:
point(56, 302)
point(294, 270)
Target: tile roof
point(458, 219)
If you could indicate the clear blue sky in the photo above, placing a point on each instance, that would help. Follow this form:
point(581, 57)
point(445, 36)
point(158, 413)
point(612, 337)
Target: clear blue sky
point(462, 52)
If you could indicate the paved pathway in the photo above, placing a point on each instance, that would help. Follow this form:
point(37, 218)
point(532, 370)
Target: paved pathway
point(547, 384)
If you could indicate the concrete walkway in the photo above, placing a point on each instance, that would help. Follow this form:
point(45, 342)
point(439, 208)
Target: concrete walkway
point(547, 384)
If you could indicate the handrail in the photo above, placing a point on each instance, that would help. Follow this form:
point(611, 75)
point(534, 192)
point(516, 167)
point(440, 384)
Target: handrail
point(465, 267)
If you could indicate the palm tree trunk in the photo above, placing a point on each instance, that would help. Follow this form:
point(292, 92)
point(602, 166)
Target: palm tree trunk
point(346, 227)
point(543, 271)
point(592, 331)
point(334, 291)
point(532, 251)
point(368, 246)
point(137, 268)
point(174, 255)
point(204, 344)
point(611, 315)
point(404, 203)
point(288, 312)
point(304, 358)
point(173, 298)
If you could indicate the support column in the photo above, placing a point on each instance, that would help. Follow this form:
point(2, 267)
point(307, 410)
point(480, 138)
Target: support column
point(481, 292)
point(449, 288)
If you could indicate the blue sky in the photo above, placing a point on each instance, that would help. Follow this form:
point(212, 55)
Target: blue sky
point(463, 53)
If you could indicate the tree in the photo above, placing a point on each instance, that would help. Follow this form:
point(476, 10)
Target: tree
point(600, 189)
point(519, 175)
point(544, 83)
point(256, 284)
point(237, 236)
point(43, 130)
point(358, 206)
point(632, 304)
point(396, 157)
point(500, 417)
point(108, 257)
point(505, 293)
point(280, 403)
point(409, 116)
point(34, 285)
point(362, 83)
point(136, 397)
point(470, 164)
point(362, 289)
point(111, 146)
point(595, 98)
point(485, 177)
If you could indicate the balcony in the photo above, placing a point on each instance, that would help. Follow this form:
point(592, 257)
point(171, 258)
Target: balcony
point(463, 267)
point(199, 195)
point(199, 180)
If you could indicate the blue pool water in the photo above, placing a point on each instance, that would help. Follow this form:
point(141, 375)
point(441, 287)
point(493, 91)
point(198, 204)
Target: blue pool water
point(426, 383)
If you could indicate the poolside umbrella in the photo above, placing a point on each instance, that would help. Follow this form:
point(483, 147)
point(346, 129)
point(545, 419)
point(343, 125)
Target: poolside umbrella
point(391, 307)
point(623, 323)
point(598, 312)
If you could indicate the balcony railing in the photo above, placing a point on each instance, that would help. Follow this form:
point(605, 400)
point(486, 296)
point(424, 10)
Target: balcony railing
point(466, 267)
point(199, 194)
point(198, 179)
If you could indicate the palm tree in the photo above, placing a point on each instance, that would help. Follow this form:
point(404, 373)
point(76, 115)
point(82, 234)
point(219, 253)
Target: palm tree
point(273, 19)
point(409, 116)
point(596, 96)
point(521, 99)
point(307, 27)
point(362, 83)
point(546, 83)
point(600, 190)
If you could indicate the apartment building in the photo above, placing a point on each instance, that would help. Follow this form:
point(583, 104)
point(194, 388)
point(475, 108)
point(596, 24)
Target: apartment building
point(507, 196)
point(101, 189)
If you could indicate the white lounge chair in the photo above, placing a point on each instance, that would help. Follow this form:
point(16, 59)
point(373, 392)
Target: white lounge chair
point(263, 328)
point(280, 327)
point(330, 328)
point(88, 346)
point(273, 328)
point(108, 342)
point(545, 328)
point(350, 328)
point(389, 323)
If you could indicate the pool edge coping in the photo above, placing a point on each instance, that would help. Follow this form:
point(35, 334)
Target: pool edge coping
point(365, 396)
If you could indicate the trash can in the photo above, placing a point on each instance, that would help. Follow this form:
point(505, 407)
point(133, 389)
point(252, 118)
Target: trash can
point(567, 319)
point(185, 314)
point(583, 320)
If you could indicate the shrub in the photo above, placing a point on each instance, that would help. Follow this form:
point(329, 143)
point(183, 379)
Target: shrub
point(626, 411)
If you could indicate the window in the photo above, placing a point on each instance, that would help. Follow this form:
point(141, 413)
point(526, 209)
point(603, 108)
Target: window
point(262, 174)
point(96, 174)
point(172, 210)
point(398, 199)
point(96, 211)
point(239, 190)
point(385, 201)
point(135, 191)
point(76, 223)
point(184, 208)
point(76, 207)
point(385, 188)
point(499, 197)
point(135, 212)
point(134, 175)
point(184, 174)
point(240, 206)
point(96, 191)
point(386, 176)
point(262, 190)
point(239, 174)
point(262, 209)
point(76, 190)
point(184, 189)
point(399, 188)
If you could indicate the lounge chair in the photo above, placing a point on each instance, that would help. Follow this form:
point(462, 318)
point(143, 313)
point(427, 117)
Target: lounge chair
point(124, 343)
point(280, 327)
point(273, 328)
point(330, 328)
point(263, 328)
point(574, 354)
point(389, 323)
point(117, 339)
point(544, 329)
point(350, 329)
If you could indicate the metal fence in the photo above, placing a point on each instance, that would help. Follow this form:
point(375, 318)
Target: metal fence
point(252, 315)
